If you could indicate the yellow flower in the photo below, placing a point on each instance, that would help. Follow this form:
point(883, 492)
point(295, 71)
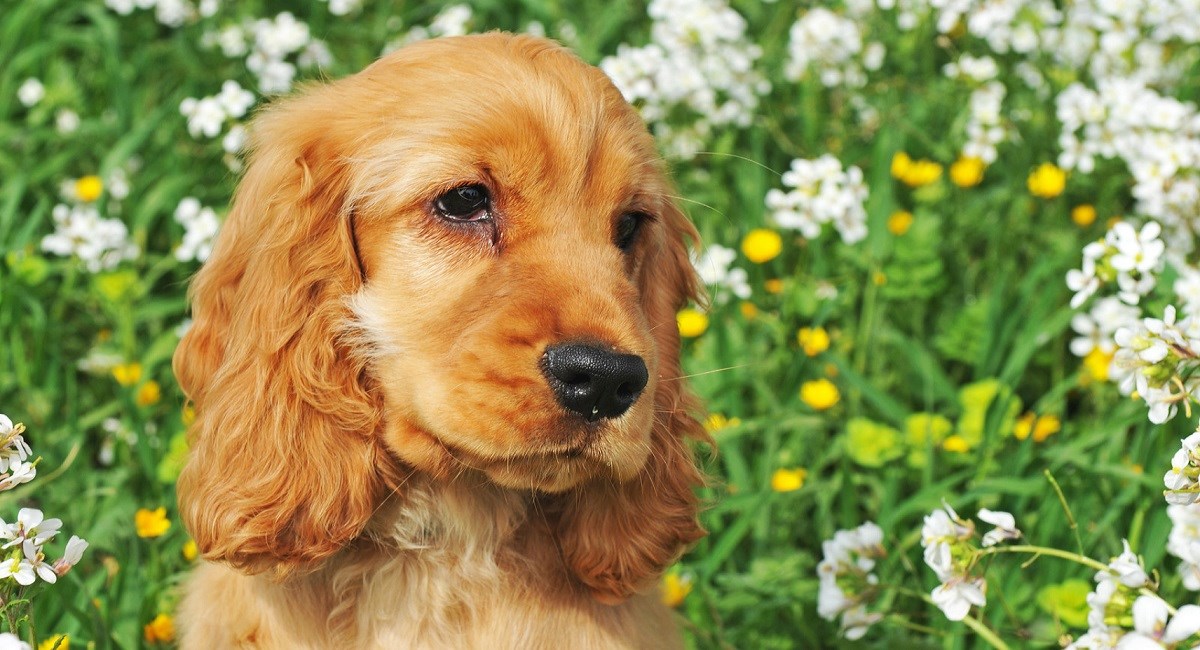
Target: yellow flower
point(188, 415)
point(915, 173)
point(675, 588)
point(899, 222)
point(89, 188)
point(160, 630)
point(762, 245)
point(1023, 427)
point(967, 171)
point(717, 421)
point(1046, 426)
point(1096, 364)
point(190, 551)
point(1083, 215)
point(773, 286)
point(879, 278)
point(814, 340)
point(819, 394)
point(1047, 181)
point(149, 393)
point(956, 444)
point(692, 323)
point(56, 642)
point(748, 309)
point(151, 523)
point(788, 480)
point(127, 374)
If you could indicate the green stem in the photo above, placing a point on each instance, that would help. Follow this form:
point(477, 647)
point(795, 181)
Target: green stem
point(1062, 500)
point(1044, 550)
point(984, 632)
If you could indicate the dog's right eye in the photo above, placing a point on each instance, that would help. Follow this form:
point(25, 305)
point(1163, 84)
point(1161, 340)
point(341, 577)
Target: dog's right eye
point(466, 203)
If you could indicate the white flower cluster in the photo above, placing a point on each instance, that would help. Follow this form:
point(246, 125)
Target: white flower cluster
point(15, 466)
point(454, 20)
point(949, 551)
point(1131, 258)
point(1132, 38)
point(10, 641)
point(172, 13)
point(80, 231)
point(200, 229)
point(267, 45)
point(1158, 139)
point(30, 532)
point(208, 115)
point(1155, 358)
point(1097, 328)
point(1181, 481)
point(1121, 596)
point(1184, 542)
point(846, 578)
point(716, 271)
point(832, 46)
point(821, 192)
point(985, 128)
point(700, 62)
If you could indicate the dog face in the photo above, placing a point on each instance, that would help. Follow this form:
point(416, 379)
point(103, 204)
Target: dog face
point(504, 228)
point(465, 257)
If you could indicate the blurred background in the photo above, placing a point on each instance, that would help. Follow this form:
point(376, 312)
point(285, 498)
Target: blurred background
point(933, 234)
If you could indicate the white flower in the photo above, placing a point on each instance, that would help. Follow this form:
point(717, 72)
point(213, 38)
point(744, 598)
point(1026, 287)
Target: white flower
point(100, 243)
point(205, 116)
point(71, 556)
point(18, 569)
point(715, 270)
point(846, 580)
point(856, 621)
point(31, 92)
point(1152, 628)
point(20, 472)
point(1005, 526)
point(235, 99)
point(66, 121)
point(1127, 569)
point(37, 560)
point(956, 597)
point(10, 641)
point(821, 193)
point(941, 530)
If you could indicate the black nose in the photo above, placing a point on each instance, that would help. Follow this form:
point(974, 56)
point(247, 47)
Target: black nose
point(594, 382)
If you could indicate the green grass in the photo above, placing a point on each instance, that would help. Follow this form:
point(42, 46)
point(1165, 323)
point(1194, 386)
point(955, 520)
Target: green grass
point(973, 292)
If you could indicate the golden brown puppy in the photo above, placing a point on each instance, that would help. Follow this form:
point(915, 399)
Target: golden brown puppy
point(436, 368)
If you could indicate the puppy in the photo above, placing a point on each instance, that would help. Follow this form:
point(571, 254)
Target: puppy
point(435, 366)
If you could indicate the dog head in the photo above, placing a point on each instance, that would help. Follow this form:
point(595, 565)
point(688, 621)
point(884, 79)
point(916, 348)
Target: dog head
point(465, 257)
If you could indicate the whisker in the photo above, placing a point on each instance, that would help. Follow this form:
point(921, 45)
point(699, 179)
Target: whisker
point(734, 155)
point(710, 372)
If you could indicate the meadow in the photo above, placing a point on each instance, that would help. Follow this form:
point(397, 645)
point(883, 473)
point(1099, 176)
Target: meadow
point(950, 247)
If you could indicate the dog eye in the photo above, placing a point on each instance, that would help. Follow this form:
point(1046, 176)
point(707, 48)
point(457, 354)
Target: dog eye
point(627, 229)
point(466, 203)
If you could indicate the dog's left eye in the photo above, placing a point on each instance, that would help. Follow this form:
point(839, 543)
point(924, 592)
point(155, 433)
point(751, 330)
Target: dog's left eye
point(627, 229)
point(466, 203)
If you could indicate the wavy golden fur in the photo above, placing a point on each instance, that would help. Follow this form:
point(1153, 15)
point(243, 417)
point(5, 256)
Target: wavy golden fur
point(377, 459)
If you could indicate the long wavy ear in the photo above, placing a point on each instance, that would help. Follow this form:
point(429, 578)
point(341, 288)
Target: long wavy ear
point(619, 537)
point(284, 468)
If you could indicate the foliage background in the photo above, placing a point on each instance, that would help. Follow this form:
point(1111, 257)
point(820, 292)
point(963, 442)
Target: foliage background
point(972, 292)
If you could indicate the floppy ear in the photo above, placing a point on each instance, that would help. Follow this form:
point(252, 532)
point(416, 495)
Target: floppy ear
point(284, 468)
point(619, 537)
